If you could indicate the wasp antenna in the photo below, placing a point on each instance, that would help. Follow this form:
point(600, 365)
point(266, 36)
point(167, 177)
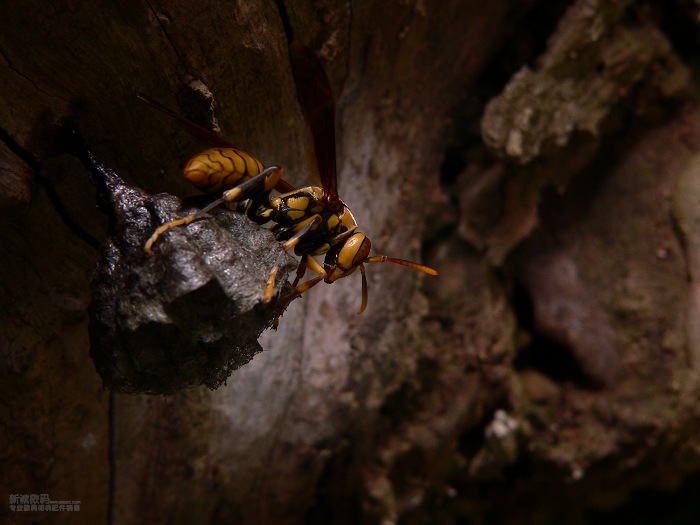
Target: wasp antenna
point(364, 290)
point(402, 262)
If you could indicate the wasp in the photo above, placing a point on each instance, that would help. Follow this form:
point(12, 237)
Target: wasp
point(312, 220)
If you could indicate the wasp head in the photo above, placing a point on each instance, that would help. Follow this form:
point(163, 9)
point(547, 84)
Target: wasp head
point(347, 256)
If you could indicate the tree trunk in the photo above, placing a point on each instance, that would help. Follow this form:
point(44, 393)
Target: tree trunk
point(557, 349)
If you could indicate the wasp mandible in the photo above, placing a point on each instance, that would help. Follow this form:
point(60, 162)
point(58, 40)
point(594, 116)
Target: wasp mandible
point(312, 220)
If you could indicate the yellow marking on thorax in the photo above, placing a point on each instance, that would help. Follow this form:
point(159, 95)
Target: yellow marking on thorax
point(298, 203)
point(332, 221)
point(347, 219)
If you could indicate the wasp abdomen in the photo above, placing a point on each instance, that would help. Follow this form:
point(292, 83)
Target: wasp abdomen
point(217, 169)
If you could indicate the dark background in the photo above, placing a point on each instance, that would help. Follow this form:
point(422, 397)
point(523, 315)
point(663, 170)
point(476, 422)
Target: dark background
point(541, 155)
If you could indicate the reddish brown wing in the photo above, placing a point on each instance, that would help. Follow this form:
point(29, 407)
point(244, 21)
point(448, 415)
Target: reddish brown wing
point(316, 98)
point(204, 134)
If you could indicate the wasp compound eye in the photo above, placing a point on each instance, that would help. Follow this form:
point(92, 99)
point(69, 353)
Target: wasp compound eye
point(362, 251)
point(350, 252)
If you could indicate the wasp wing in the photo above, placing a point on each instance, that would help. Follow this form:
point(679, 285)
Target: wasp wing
point(318, 105)
point(204, 134)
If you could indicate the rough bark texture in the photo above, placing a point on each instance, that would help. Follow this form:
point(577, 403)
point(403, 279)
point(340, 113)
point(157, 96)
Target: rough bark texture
point(558, 349)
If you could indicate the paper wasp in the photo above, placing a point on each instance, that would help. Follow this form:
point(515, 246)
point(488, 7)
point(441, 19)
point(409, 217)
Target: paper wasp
point(312, 220)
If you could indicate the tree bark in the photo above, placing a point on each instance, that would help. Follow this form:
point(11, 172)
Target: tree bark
point(558, 348)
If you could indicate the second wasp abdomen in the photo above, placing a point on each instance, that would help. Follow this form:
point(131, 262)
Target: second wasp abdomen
point(217, 169)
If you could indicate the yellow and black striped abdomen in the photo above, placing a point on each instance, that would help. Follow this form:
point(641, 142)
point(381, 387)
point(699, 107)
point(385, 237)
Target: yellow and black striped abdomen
point(218, 169)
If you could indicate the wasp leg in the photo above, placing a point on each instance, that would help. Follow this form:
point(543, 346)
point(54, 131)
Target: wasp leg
point(301, 270)
point(270, 286)
point(307, 262)
point(288, 245)
point(148, 247)
point(294, 240)
point(265, 180)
